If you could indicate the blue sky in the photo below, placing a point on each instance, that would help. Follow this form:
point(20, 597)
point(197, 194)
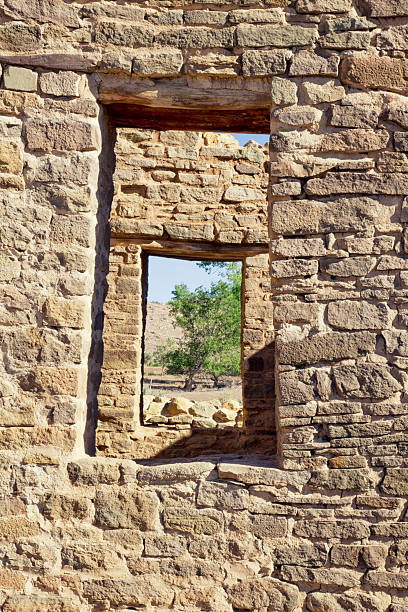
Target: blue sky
point(164, 272)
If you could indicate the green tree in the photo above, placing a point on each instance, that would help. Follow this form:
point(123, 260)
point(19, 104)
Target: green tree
point(211, 324)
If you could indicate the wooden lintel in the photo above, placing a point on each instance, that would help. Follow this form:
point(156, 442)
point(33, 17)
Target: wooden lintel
point(252, 120)
point(194, 250)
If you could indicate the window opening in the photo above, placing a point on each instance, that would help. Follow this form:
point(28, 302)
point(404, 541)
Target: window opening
point(192, 344)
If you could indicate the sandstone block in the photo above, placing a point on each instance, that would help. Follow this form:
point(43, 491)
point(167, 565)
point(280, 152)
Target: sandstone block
point(165, 546)
point(384, 8)
point(296, 312)
point(60, 83)
point(283, 91)
point(264, 63)
point(243, 194)
point(318, 92)
point(299, 247)
point(395, 482)
point(43, 11)
point(345, 40)
point(11, 159)
point(9, 268)
point(269, 526)
point(15, 103)
point(157, 62)
point(387, 580)
point(298, 116)
point(195, 38)
point(59, 506)
point(353, 116)
point(308, 63)
point(262, 474)
point(375, 73)
point(332, 577)
point(274, 36)
point(323, 6)
point(365, 381)
point(303, 553)
point(119, 359)
point(343, 480)
point(73, 169)
point(314, 217)
point(124, 35)
point(60, 135)
point(20, 37)
point(326, 347)
point(358, 602)
point(259, 593)
point(33, 603)
point(353, 182)
point(296, 267)
point(372, 556)
point(126, 507)
point(178, 405)
point(149, 590)
point(174, 472)
point(59, 312)
point(199, 522)
point(16, 527)
point(346, 314)
point(296, 387)
point(94, 471)
point(222, 496)
point(20, 79)
point(323, 529)
point(55, 381)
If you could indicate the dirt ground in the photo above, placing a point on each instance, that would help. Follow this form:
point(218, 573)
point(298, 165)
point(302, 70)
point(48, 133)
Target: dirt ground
point(156, 382)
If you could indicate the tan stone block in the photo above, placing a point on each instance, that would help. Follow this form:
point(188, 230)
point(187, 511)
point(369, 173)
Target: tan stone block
point(35, 603)
point(191, 520)
point(43, 11)
point(60, 135)
point(20, 79)
point(323, 6)
point(12, 580)
point(15, 103)
point(9, 268)
point(17, 527)
point(59, 312)
point(126, 507)
point(56, 381)
point(20, 37)
point(317, 92)
point(347, 314)
point(373, 72)
point(11, 158)
point(283, 91)
point(58, 506)
point(385, 8)
point(64, 83)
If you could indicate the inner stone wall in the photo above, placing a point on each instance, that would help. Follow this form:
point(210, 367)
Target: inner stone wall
point(323, 525)
point(196, 195)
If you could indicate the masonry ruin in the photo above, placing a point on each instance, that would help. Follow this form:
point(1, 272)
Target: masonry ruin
point(306, 510)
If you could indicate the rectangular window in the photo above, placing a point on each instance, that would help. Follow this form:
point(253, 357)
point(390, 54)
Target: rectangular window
point(192, 344)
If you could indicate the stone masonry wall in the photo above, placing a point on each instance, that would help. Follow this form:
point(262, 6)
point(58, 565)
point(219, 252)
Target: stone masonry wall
point(323, 525)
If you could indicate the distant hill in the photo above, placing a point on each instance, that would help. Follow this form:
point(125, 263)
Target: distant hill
point(159, 326)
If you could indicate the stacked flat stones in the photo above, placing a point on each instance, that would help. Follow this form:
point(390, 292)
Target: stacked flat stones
point(324, 525)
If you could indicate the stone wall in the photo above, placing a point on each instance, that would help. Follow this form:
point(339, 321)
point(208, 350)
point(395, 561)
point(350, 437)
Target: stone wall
point(198, 195)
point(323, 525)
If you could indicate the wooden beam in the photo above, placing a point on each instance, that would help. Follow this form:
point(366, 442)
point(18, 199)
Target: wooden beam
point(253, 121)
point(193, 250)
